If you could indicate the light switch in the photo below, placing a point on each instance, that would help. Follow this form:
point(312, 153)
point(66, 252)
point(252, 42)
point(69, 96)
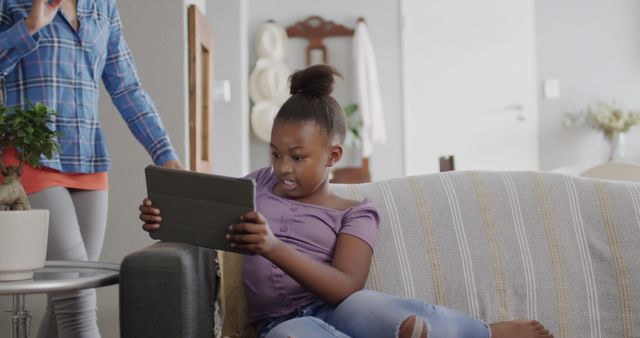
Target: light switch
point(222, 91)
point(551, 88)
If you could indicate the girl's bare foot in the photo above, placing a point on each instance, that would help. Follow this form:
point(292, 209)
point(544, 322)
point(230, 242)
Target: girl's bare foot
point(520, 329)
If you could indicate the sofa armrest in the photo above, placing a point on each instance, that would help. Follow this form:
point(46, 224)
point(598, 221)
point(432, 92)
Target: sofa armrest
point(168, 290)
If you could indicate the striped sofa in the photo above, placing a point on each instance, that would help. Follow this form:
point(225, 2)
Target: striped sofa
point(498, 245)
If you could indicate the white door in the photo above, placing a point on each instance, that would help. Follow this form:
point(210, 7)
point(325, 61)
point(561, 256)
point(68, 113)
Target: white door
point(469, 84)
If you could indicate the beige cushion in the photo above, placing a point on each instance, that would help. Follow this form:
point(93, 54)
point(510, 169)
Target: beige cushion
point(232, 300)
point(620, 171)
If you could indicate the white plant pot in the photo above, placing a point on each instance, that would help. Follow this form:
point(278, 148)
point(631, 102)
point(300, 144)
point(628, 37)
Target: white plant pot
point(23, 243)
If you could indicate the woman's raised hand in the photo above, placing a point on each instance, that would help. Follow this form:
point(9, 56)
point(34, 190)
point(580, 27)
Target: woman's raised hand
point(42, 13)
point(149, 215)
point(253, 234)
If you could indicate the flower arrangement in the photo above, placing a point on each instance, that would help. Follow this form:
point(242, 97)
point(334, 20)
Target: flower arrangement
point(606, 117)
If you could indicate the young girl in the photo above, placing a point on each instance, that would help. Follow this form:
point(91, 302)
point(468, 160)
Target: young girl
point(313, 248)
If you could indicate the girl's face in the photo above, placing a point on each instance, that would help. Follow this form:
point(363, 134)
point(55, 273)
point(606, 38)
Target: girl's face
point(302, 155)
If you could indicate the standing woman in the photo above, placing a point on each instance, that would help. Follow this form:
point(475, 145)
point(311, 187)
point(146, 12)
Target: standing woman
point(56, 52)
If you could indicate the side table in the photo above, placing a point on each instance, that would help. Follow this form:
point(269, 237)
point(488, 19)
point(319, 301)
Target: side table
point(55, 276)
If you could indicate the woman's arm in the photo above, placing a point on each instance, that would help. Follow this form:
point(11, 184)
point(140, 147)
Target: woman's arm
point(120, 78)
point(333, 283)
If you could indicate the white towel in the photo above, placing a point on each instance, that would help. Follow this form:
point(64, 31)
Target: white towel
point(368, 91)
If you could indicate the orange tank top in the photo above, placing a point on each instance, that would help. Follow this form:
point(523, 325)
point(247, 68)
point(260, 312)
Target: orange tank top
point(38, 179)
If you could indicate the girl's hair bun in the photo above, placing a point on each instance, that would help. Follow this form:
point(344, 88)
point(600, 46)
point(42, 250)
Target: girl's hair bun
point(315, 80)
point(311, 101)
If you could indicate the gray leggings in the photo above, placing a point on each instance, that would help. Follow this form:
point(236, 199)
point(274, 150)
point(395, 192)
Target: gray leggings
point(77, 223)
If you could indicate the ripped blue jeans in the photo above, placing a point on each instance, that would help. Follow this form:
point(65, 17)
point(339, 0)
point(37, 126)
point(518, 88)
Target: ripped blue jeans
point(371, 314)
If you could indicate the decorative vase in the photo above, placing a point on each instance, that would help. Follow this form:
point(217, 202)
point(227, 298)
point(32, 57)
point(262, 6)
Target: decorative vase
point(616, 146)
point(23, 243)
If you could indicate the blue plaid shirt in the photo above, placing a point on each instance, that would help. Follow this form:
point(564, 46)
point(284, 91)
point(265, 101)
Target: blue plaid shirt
point(62, 68)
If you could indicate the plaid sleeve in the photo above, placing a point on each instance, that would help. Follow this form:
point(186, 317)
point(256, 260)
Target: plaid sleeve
point(15, 43)
point(121, 80)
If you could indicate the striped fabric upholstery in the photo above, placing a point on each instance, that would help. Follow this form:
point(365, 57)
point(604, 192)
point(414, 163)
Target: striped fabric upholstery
point(507, 245)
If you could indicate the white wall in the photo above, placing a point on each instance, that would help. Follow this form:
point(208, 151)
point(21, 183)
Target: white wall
point(593, 48)
point(230, 62)
point(383, 21)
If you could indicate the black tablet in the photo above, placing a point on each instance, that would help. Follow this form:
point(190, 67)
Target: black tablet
point(198, 208)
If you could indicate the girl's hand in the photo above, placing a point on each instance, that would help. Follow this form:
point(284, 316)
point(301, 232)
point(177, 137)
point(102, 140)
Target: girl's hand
point(253, 234)
point(149, 215)
point(41, 14)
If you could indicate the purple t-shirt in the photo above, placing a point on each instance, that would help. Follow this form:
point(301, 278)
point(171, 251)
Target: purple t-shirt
point(310, 229)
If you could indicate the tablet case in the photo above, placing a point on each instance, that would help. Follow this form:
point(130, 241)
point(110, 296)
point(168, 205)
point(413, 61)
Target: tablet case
point(198, 208)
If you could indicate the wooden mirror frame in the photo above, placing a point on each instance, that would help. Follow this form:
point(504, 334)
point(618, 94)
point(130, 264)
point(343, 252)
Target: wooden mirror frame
point(200, 90)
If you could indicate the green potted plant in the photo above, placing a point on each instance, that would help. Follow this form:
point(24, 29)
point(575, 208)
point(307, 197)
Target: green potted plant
point(23, 231)
point(352, 168)
point(353, 138)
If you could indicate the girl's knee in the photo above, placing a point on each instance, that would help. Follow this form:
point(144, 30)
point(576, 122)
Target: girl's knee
point(375, 304)
point(412, 327)
point(300, 328)
point(360, 298)
point(285, 329)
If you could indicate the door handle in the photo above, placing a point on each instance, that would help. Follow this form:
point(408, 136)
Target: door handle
point(518, 109)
